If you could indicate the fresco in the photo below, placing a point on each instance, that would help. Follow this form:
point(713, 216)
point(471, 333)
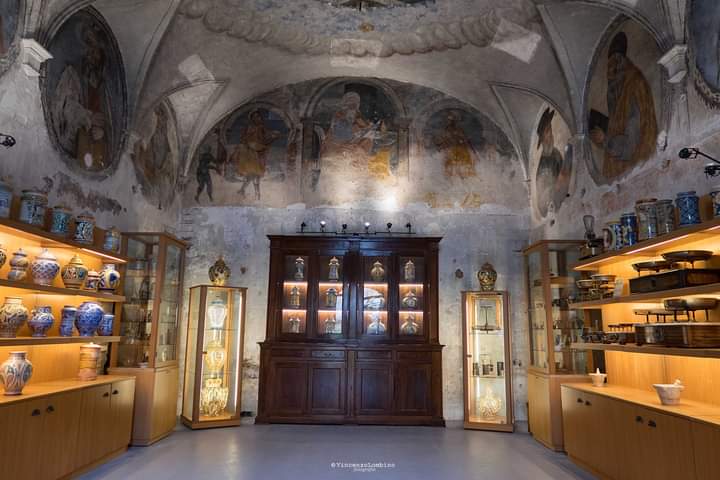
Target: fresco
point(9, 23)
point(623, 112)
point(156, 158)
point(84, 94)
point(551, 162)
point(704, 42)
point(357, 145)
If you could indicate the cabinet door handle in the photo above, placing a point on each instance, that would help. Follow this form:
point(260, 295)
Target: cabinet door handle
point(106, 394)
point(50, 409)
point(588, 403)
point(639, 419)
point(651, 423)
point(579, 400)
point(35, 412)
point(115, 392)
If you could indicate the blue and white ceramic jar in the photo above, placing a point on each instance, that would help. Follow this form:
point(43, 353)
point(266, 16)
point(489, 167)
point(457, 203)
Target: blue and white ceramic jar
point(628, 223)
point(60, 221)
point(13, 315)
point(15, 372)
point(612, 236)
point(84, 229)
point(3, 256)
point(5, 200)
point(688, 206)
point(109, 278)
point(88, 318)
point(32, 207)
point(41, 321)
point(106, 325)
point(646, 211)
point(92, 281)
point(67, 320)
point(44, 268)
point(74, 273)
point(19, 264)
point(715, 196)
point(111, 242)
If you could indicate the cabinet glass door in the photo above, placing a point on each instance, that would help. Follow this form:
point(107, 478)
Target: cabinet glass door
point(537, 312)
point(331, 296)
point(295, 295)
point(169, 307)
point(411, 289)
point(486, 359)
point(375, 287)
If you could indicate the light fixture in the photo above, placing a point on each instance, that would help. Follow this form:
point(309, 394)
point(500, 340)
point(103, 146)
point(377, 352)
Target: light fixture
point(7, 140)
point(409, 227)
point(389, 227)
point(302, 227)
point(344, 228)
point(322, 226)
point(367, 227)
point(711, 170)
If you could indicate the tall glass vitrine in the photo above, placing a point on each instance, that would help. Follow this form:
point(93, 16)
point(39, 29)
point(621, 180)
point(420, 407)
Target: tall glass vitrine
point(488, 361)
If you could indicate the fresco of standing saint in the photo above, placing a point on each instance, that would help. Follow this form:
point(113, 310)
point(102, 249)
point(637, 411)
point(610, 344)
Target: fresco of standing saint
point(551, 160)
point(460, 155)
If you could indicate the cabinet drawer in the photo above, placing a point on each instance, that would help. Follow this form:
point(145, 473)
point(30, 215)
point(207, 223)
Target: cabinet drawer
point(374, 355)
point(415, 356)
point(287, 353)
point(331, 354)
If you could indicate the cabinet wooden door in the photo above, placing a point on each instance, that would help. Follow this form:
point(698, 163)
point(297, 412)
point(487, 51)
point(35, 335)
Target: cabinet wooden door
point(574, 419)
point(20, 426)
point(327, 388)
point(96, 423)
point(413, 389)
point(539, 408)
point(706, 439)
point(288, 388)
point(164, 410)
point(122, 399)
point(664, 446)
point(373, 388)
point(60, 424)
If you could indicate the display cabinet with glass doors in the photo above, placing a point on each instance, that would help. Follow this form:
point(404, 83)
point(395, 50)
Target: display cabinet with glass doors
point(488, 362)
point(213, 360)
point(148, 325)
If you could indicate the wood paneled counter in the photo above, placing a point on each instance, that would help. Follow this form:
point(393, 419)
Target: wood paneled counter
point(44, 389)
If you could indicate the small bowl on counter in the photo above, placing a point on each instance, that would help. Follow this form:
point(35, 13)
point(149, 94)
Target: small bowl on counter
point(669, 393)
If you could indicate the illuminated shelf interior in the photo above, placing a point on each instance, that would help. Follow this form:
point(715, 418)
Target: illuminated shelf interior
point(411, 285)
point(411, 312)
point(295, 283)
point(376, 285)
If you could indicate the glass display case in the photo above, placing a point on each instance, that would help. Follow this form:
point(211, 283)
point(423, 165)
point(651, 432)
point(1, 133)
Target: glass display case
point(213, 362)
point(487, 365)
point(375, 289)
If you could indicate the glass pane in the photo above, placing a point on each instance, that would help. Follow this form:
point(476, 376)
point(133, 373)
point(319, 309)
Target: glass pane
point(189, 385)
point(330, 296)
point(487, 386)
point(295, 292)
point(375, 296)
point(412, 296)
point(538, 333)
point(169, 306)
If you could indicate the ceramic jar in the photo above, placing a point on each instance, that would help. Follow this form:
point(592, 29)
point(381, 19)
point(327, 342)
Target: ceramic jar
point(88, 318)
point(410, 300)
point(6, 196)
point(15, 373)
point(60, 221)
point(665, 216)
point(3, 256)
point(41, 321)
point(299, 269)
point(688, 205)
point(377, 273)
point(487, 276)
point(89, 355)
point(628, 223)
point(219, 273)
point(19, 264)
point(109, 278)
point(612, 236)
point(331, 297)
point(111, 242)
point(74, 273)
point(32, 207)
point(409, 271)
point(84, 229)
point(13, 315)
point(44, 268)
point(217, 313)
point(715, 196)
point(67, 320)
point(215, 357)
point(92, 281)
point(106, 325)
point(334, 269)
point(646, 212)
point(410, 326)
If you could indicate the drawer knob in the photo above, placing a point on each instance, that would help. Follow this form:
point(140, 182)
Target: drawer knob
point(35, 412)
point(115, 392)
point(651, 423)
point(639, 419)
point(579, 400)
point(50, 409)
point(588, 403)
point(106, 394)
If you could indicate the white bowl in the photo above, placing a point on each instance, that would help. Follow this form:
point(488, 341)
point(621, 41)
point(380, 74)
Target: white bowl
point(669, 393)
point(598, 379)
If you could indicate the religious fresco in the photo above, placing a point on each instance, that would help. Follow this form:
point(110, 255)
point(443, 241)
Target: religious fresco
point(84, 94)
point(155, 156)
point(10, 12)
point(623, 116)
point(357, 145)
point(704, 43)
point(551, 162)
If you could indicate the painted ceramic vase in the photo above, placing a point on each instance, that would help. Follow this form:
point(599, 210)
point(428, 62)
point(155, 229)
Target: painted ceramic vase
point(215, 357)
point(377, 273)
point(74, 273)
point(109, 278)
point(666, 216)
point(334, 269)
point(688, 205)
point(32, 207)
point(331, 297)
point(646, 212)
point(487, 276)
point(612, 236)
point(409, 271)
point(88, 318)
point(111, 242)
point(84, 229)
point(106, 325)
point(715, 196)
point(376, 326)
point(628, 222)
point(6, 196)
point(3, 256)
point(44, 268)
point(219, 273)
point(299, 268)
point(410, 300)
point(410, 326)
point(15, 373)
point(19, 264)
point(294, 300)
point(60, 221)
point(13, 315)
point(41, 321)
point(89, 355)
point(67, 320)
point(92, 281)
point(330, 325)
point(294, 325)
point(216, 314)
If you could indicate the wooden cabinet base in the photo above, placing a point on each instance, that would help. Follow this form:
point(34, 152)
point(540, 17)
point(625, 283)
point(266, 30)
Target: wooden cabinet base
point(95, 464)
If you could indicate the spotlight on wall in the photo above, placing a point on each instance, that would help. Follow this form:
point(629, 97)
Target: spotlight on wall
point(302, 227)
point(7, 141)
point(711, 170)
point(409, 227)
point(322, 226)
point(389, 226)
point(367, 227)
point(344, 228)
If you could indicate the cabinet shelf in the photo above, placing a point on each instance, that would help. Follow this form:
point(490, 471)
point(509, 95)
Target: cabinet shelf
point(713, 288)
point(649, 349)
point(9, 342)
point(32, 288)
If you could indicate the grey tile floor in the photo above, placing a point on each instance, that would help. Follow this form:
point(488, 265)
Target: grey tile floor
point(280, 452)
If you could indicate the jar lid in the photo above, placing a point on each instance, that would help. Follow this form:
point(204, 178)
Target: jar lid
point(61, 208)
point(686, 194)
point(86, 216)
point(665, 200)
point(646, 200)
point(46, 255)
point(627, 215)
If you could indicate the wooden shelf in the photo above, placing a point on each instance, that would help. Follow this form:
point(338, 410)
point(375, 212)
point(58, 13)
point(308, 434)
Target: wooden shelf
point(43, 389)
point(33, 288)
point(652, 247)
point(49, 240)
point(650, 349)
point(9, 342)
point(713, 288)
